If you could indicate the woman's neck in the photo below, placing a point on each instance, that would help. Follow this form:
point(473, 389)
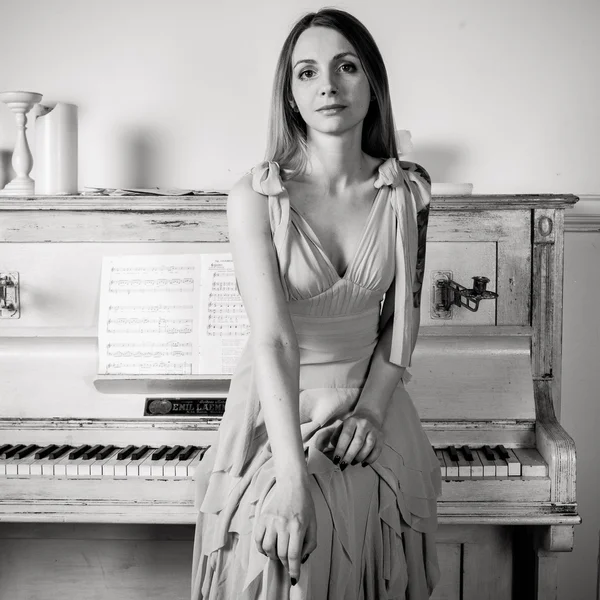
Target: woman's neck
point(337, 163)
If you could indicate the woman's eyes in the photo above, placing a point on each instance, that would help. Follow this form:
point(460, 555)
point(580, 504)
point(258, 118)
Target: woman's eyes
point(346, 67)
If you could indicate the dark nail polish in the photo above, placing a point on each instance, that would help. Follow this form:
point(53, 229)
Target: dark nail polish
point(353, 463)
point(293, 581)
point(343, 465)
point(305, 558)
point(336, 460)
point(365, 464)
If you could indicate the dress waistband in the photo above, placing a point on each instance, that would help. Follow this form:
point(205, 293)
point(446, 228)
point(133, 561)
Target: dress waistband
point(342, 336)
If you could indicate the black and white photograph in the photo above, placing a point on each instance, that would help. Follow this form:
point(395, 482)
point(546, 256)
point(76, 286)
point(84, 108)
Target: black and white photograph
point(298, 300)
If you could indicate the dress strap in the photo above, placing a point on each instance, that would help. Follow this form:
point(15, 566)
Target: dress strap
point(266, 180)
point(410, 192)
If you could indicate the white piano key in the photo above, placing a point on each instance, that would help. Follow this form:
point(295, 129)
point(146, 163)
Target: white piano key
point(464, 466)
point(59, 466)
point(35, 468)
point(120, 469)
point(451, 465)
point(501, 467)
point(84, 467)
point(133, 468)
point(157, 467)
point(98, 465)
point(72, 467)
point(195, 461)
point(146, 467)
point(170, 468)
point(532, 463)
point(476, 466)
point(514, 464)
point(108, 468)
point(24, 465)
point(489, 466)
point(12, 466)
point(440, 456)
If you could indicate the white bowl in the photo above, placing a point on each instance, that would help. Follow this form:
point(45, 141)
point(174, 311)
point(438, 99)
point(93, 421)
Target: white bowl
point(451, 189)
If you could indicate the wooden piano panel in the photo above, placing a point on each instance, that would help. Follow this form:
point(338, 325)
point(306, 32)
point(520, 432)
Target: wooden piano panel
point(464, 260)
point(510, 233)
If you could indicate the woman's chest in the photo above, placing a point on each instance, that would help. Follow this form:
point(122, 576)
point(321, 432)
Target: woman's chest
point(337, 223)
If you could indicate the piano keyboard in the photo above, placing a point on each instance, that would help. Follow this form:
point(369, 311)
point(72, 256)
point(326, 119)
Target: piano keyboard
point(466, 462)
point(99, 460)
point(109, 461)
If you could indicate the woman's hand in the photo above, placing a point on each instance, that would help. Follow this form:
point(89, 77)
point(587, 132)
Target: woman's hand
point(286, 529)
point(359, 439)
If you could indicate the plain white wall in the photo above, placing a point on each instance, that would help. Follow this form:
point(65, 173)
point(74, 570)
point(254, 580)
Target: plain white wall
point(501, 94)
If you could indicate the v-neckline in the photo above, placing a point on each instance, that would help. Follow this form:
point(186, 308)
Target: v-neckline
point(317, 242)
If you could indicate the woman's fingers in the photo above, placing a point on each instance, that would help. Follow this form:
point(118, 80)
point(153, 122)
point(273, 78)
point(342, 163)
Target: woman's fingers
point(373, 455)
point(344, 440)
point(294, 553)
point(310, 540)
point(259, 534)
point(366, 449)
point(358, 441)
point(269, 543)
point(283, 542)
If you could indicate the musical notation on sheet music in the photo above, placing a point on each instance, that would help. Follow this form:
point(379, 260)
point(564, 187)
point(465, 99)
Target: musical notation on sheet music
point(148, 318)
point(170, 314)
point(224, 325)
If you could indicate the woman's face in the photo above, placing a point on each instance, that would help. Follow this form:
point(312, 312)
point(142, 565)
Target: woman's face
point(327, 71)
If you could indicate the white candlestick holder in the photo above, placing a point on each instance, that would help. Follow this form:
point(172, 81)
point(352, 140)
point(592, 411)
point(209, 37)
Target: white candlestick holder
point(20, 103)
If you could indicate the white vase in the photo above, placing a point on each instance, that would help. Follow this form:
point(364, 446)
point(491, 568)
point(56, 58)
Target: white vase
point(56, 150)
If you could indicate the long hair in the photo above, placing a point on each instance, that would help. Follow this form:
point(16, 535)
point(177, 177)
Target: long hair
point(286, 138)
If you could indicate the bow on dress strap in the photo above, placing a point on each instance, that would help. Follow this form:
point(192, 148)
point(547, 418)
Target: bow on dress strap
point(266, 179)
point(410, 193)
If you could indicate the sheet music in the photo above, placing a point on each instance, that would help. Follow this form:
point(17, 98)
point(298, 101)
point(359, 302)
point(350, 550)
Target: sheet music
point(224, 326)
point(158, 312)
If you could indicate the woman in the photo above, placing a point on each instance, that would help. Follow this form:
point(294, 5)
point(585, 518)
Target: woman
point(323, 484)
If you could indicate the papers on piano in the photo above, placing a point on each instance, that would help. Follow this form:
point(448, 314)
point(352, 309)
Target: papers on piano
point(96, 191)
point(170, 314)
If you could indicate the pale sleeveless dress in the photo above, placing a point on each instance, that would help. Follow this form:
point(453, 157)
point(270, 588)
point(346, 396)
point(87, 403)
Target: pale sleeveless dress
point(376, 524)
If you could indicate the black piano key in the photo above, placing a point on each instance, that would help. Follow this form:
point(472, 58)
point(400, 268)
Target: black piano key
point(140, 452)
point(488, 452)
point(10, 453)
point(4, 448)
point(92, 451)
point(187, 452)
point(173, 453)
point(501, 450)
point(79, 451)
point(203, 451)
point(158, 454)
point(105, 452)
point(467, 453)
point(453, 453)
point(26, 451)
point(123, 454)
point(43, 452)
point(59, 451)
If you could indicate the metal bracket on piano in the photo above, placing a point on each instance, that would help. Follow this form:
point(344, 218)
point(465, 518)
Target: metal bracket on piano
point(9, 296)
point(447, 293)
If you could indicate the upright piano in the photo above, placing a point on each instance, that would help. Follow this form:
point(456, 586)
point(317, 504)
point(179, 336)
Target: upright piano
point(96, 488)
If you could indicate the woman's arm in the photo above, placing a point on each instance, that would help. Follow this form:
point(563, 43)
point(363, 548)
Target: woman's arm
point(274, 345)
point(384, 377)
